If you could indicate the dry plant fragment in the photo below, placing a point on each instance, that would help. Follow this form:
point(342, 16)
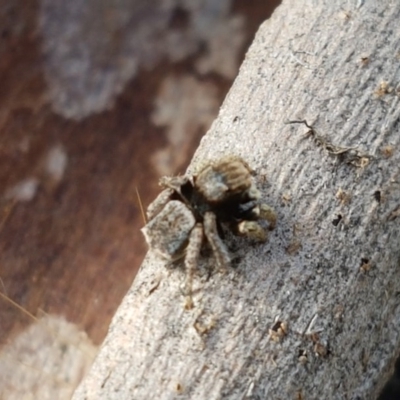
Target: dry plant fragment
point(387, 151)
point(343, 196)
point(286, 199)
point(383, 89)
point(179, 388)
point(299, 395)
point(321, 350)
point(346, 15)
point(365, 265)
point(394, 214)
point(203, 325)
point(302, 356)
point(348, 155)
point(278, 331)
point(294, 247)
point(364, 61)
point(321, 347)
point(194, 207)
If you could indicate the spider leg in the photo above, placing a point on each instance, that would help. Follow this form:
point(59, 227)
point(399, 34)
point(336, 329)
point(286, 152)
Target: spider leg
point(191, 259)
point(252, 230)
point(167, 233)
point(174, 182)
point(217, 245)
point(268, 213)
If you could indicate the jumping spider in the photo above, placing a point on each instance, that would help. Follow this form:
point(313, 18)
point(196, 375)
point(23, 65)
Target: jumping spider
point(193, 206)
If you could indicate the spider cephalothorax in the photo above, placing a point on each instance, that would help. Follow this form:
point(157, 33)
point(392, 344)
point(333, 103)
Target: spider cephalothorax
point(194, 206)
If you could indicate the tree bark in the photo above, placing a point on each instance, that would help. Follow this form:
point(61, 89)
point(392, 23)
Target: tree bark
point(314, 313)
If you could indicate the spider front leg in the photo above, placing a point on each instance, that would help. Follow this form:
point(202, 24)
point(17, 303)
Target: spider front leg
point(217, 245)
point(268, 213)
point(191, 260)
point(253, 229)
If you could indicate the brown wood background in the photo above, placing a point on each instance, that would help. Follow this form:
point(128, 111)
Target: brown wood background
point(75, 248)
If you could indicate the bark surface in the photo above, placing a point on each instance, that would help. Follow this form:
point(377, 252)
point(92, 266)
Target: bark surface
point(330, 270)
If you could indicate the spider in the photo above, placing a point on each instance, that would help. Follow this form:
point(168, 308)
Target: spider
point(192, 207)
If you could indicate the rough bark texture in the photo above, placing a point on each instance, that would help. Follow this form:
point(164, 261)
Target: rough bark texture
point(331, 268)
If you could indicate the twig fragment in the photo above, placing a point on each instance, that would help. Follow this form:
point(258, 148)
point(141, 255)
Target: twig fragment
point(348, 155)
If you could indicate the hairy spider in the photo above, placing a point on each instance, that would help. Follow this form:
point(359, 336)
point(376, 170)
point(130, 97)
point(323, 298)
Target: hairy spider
point(194, 206)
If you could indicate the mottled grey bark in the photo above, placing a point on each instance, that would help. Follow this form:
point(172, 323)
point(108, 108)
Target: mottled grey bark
point(331, 269)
